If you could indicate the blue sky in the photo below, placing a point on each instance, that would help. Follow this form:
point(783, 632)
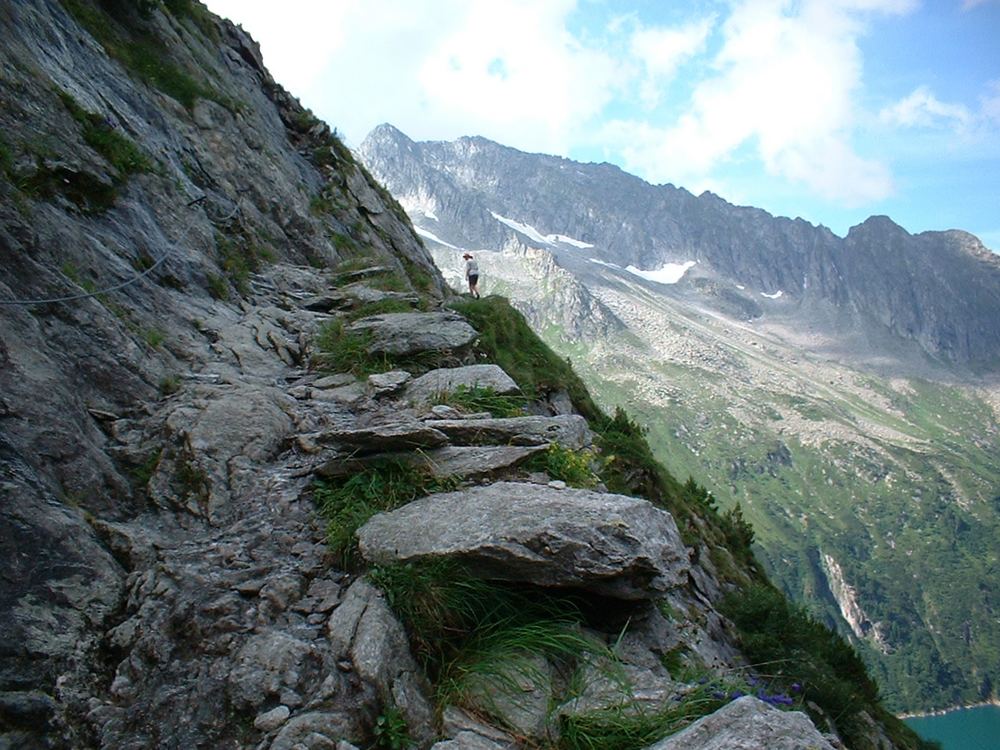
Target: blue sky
point(832, 110)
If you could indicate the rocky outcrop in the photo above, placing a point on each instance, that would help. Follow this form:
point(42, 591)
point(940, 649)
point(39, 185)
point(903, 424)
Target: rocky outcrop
point(748, 724)
point(443, 382)
point(407, 334)
point(608, 544)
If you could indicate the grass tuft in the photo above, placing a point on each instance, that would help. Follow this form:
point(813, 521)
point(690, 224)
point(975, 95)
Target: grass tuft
point(384, 485)
point(476, 399)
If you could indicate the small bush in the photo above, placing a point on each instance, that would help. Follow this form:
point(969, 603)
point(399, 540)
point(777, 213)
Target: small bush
point(153, 336)
point(775, 632)
point(169, 385)
point(570, 466)
point(218, 287)
point(391, 731)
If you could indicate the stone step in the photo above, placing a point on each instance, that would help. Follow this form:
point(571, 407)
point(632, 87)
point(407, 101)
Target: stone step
point(568, 430)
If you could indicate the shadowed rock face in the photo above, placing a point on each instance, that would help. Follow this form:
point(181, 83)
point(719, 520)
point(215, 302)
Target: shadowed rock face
point(940, 290)
point(608, 544)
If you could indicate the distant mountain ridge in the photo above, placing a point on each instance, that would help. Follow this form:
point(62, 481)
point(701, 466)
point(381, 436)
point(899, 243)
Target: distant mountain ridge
point(940, 290)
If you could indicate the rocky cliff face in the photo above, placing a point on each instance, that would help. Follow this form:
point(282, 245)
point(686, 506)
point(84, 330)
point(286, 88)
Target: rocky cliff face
point(222, 345)
point(939, 290)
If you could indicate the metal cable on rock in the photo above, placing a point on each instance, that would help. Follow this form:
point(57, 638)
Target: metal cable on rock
point(134, 279)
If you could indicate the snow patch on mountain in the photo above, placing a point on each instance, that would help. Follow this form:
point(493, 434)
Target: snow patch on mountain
point(600, 262)
point(772, 296)
point(533, 234)
point(425, 205)
point(431, 236)
point(670, 273)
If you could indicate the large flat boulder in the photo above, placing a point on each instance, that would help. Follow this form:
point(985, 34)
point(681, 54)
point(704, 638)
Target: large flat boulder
point(401, 434)
point(437, 383)
point(569, 430)
point(608, 544)
point(406, 334)
point(748, 724)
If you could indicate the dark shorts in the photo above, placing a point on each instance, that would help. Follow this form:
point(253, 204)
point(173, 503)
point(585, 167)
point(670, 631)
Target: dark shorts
point(473, 278)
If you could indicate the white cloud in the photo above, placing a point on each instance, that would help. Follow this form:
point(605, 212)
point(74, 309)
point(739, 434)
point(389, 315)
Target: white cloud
point(990, 103)
point(785, 84)
point(922, 108)
point(283, 37)
point(511, 71)
point(661, 51)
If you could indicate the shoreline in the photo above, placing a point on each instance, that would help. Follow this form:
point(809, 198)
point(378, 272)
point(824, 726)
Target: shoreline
point(995, 702)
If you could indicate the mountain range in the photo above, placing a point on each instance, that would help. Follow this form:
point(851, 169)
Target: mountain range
point(843, 391)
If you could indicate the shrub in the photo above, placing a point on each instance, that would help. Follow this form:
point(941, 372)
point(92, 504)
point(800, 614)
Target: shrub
point(773, 631)
point(570, 466)
point(391, 731)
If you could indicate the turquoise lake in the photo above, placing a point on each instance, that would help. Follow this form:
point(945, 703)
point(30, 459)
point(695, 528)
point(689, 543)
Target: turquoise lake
point(966, 729)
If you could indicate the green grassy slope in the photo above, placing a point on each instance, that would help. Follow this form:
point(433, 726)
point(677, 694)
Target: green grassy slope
point(898, 482)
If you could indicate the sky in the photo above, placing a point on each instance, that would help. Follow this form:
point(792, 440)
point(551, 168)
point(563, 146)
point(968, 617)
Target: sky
point(829, 110)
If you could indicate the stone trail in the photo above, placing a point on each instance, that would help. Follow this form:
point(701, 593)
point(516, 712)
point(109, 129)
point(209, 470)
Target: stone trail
point(243, 605)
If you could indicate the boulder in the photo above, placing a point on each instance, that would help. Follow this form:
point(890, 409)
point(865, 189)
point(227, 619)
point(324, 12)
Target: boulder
point(365, 630)
point(436, 383)
point(407, 334)
point(403, 434)
point(609, 544)
point(570, 431)
point(475, 462)
point(748, 724)
point(385, 383)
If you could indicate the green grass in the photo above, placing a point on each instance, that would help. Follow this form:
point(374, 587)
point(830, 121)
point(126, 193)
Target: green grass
point(340, 350)
point(141, 53)
point(120, 151)
point(380, 307)
point(348, 502)
point(476, 399)
point(480, 640)
point(506, 339)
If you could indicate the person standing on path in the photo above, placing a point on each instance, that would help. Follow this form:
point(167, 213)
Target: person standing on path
point(472, 275)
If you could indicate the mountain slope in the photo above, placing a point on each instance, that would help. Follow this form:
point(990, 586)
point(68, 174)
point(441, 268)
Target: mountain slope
point(228, 366)
point(841, 390)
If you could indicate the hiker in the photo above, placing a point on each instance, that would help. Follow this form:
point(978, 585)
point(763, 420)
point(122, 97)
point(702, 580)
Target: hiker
point(472, 274)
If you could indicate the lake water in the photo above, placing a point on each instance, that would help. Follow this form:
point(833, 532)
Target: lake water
point(966, 729)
